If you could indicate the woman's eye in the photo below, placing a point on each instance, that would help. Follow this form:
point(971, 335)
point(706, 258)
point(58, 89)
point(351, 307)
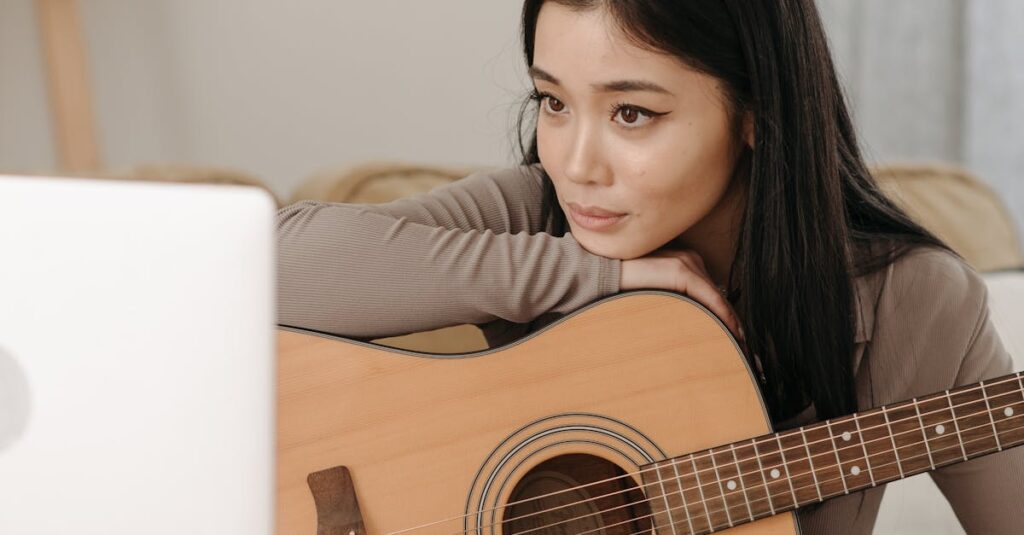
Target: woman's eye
point(625, 115)
point(631, 117)
point(553, 104)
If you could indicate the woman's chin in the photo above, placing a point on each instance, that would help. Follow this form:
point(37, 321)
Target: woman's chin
point(620, 248)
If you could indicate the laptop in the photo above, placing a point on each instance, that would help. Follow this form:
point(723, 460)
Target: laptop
point(137, 338)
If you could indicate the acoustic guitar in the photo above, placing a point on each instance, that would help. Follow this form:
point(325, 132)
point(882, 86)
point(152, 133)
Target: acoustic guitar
point(635, 414)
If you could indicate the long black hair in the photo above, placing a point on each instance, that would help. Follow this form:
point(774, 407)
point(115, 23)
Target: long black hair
point(815, 218)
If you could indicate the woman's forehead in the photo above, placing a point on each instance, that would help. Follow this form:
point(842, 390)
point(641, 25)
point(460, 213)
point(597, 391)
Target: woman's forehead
point(586, 48)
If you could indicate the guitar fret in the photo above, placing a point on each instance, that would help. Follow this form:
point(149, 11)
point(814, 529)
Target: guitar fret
point(867, 449)
point(664, 500)
point(1005, 400)
point(764, 481)
point(739, 476)
point(956, 426)
point(974, 422)
point(753, 480)
point(810, 460)
point(863, 447)
point(1019, 426)
point(729, 475)
point(924, 432)
point(991, 419)
point(829, 472)
point(941, 439)
point(655, 492)
point(728, 517)
point(789, 478)
point(798, 468)
point(910, 439)
point(839, 463)
point(664, 496)
point(682, 494)
point(778, 486)
point(852, 460)
point(696, 513)
point(880, 448)
point(892, 438)
point(700, 488)
point(714, 497)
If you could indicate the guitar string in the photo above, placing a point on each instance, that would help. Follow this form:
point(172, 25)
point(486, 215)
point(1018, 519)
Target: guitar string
point(832, 437)
point(675, 461)
point(1015, 377)
point(785, 492)
point(764, 483)
point(824, 498)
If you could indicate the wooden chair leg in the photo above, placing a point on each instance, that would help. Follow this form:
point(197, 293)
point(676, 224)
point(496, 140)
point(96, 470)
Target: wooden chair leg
point(68, 80)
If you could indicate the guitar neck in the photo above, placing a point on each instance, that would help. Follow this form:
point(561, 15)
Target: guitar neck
point(756, 478)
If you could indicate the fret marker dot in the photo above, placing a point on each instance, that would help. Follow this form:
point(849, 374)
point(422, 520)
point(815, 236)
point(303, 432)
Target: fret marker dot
point(855, 470)
point(846, 436)
point(775, 473)
point(1008, 412)
point(940, 429)
point(731, 485)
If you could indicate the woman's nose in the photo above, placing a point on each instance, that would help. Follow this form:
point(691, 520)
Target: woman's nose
point(585, 162)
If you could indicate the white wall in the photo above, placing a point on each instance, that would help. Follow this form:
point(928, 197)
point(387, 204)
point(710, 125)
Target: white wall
point(280, 89)
point(283, 89)
point(994, 122)
point(25, 141)
point(936, 80)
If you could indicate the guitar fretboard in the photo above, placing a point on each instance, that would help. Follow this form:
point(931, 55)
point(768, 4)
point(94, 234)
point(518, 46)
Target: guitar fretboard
point(725, 486)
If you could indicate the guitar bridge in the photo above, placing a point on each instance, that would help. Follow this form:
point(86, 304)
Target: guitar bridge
point(337, 510)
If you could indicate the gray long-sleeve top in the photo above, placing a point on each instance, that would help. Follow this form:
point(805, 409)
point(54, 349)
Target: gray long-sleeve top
point(475, 251)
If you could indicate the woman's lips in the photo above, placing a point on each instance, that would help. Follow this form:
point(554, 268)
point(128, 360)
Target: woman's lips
point(593, 218)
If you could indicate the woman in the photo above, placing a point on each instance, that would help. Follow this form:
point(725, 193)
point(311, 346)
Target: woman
point(699, 146)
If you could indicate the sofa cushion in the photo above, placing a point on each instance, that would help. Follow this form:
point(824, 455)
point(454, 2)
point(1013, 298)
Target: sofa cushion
point(1006, 303)
point(959, 208)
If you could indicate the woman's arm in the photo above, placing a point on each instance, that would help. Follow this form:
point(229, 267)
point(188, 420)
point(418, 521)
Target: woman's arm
point(987, 494)
point(933, 333)
point(468, 252)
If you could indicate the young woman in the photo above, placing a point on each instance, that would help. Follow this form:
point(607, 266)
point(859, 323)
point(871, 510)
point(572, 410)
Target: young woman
point(699, 146)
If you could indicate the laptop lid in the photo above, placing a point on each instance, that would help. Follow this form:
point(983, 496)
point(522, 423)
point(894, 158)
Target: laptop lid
point(137, 333)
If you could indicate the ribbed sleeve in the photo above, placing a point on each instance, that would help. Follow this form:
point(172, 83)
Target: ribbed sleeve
point(469, 252)
point(932, 332)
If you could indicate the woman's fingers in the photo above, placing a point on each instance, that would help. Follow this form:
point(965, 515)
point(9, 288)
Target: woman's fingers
point(681, 271)
point(692, 283)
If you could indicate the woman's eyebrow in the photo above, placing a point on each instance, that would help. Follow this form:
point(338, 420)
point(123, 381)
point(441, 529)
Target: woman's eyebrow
point(617, 86)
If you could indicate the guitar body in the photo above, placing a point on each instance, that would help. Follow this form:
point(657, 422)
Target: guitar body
point(443, 442)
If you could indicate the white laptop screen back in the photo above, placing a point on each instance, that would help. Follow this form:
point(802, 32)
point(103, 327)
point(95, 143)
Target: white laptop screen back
point(137, 333)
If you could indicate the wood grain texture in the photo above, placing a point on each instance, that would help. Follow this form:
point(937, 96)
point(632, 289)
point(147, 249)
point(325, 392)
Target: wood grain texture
point(414, 429)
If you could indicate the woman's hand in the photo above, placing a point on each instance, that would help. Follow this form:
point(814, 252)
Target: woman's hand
point(681, 271)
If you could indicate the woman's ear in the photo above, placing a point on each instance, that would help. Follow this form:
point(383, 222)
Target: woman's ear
point(748, 129)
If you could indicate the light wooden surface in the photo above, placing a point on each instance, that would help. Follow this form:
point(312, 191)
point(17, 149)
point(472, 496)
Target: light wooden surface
point(417, 431)
point(63, 44)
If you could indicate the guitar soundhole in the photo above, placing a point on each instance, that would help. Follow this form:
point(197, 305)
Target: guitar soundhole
point(569, 502)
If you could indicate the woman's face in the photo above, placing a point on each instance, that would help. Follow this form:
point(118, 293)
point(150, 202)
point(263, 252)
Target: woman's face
point(627, 131)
